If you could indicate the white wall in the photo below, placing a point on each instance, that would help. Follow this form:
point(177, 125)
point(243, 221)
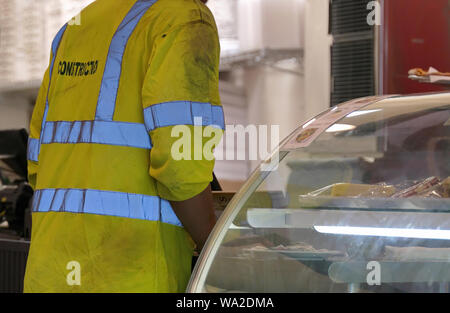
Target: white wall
point(235, 109)
point(317, 57)
point(270, 24)
point(278, 97)
point(275, 98)
point(225, 12)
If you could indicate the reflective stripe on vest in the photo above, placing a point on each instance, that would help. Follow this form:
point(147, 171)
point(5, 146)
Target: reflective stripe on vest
point(113, 68)
point(131, 134)
point(103, 130)
point(34, 144)
point(183, 113)
point(33, 149)
point(127, 205)
point(97, 132)
point(128, 134)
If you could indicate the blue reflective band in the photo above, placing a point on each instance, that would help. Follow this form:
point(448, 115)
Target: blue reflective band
point(127, 205)
point(183, 113)
point(97, 132)
point(113, 67)
point(55, 46)
point(33, 149)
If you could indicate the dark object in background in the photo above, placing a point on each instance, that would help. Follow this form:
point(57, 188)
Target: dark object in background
point(13, 259)
point(15, 192)
point(352, 52)
point(13, 150)
point(14, 206)
point(15, 198)
point(215, 185)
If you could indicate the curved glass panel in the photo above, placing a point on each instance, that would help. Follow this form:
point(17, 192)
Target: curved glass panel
point(364, 208)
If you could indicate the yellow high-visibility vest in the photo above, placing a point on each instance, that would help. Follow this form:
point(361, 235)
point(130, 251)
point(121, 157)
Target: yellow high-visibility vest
point(100, 146)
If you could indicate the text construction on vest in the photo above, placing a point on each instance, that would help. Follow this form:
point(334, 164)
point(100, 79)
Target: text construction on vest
point(68, 68)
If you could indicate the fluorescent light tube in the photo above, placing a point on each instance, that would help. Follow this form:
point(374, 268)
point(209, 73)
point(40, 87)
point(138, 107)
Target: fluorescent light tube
point(385, 232)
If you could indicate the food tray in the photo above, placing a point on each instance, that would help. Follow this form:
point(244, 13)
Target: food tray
point(413, 203)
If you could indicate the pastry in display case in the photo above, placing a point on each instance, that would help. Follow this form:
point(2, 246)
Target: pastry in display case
point(357, 201)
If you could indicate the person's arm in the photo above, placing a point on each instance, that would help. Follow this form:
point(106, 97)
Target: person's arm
point(181, 86)
point(197, 216)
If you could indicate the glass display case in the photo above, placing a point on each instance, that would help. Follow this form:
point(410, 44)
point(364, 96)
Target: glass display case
point(358, 202)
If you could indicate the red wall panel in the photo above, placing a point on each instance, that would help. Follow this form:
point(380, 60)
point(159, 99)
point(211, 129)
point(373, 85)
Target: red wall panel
point(415, 33)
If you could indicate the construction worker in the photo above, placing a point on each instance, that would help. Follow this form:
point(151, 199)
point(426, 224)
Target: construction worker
point(114, 210)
